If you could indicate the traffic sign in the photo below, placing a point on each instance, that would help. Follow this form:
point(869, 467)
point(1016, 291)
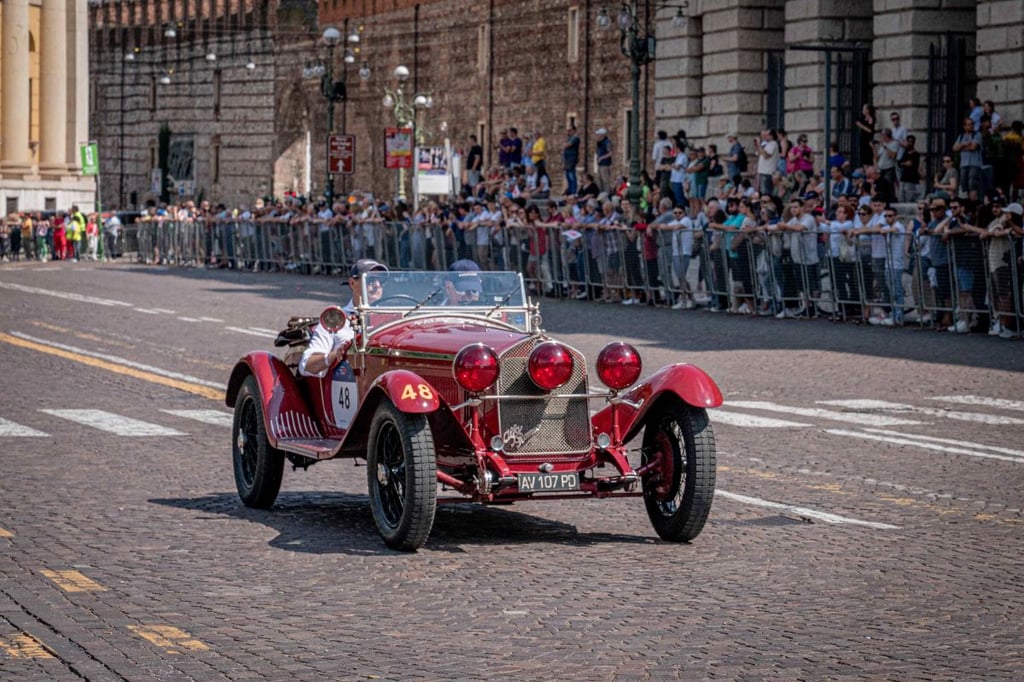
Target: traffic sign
point(341, 154)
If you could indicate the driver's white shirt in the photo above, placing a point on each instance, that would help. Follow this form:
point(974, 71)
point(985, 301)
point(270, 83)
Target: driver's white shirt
point(324, 342)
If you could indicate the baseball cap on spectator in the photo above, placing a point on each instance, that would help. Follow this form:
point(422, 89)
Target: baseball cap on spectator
point(366, 265)
point(731, 136)
point(940, 203)
point(1015, 208)
point(464, 275)
point(602, 131)
point(809, 196)
point(857, 174)
point(998, 200)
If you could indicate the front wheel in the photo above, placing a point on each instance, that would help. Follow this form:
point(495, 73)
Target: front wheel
point(679, 491)
point(258, 466)
point(401, 472)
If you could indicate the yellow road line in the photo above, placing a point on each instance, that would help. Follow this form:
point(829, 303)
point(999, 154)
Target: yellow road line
point(24, 646)
point(4, 533)
point(168, 638)
point(73, 581)
point(205, 391)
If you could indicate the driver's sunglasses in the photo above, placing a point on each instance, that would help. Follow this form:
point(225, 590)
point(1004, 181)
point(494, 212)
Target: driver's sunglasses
point(471, 292)
point(374, 283)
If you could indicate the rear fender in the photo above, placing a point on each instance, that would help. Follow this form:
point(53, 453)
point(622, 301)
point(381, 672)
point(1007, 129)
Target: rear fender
point(280, 392)
point(687, 382)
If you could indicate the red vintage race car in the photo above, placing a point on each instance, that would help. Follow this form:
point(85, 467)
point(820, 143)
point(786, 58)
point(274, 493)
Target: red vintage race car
point(470, 400)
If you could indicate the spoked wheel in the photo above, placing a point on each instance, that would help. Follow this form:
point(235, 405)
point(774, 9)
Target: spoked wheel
point(679, 492)
point(402, 477)
point(258, 466)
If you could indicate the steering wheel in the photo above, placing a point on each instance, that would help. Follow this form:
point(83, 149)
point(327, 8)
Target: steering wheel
point(402, 297)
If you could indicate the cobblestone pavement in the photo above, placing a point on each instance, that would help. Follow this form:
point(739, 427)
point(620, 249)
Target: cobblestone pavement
point(892, 552)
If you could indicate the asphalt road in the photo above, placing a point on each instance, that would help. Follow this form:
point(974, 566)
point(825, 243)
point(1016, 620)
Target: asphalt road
point(867, 524)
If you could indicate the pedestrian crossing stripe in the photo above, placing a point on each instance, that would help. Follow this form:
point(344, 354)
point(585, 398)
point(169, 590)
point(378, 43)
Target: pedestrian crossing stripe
point(982, 401)
point(22, 645)
point(752, 421)
point(114, 423)
point(9, 428)
point(73, 581)
point(215, 417)
point(863, 419)
point(886, 406)
point(168, 638)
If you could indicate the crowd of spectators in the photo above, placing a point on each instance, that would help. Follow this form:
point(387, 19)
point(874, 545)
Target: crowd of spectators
point(763, 228)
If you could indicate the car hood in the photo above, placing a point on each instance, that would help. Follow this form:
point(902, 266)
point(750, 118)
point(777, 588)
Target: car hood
point(442, 337)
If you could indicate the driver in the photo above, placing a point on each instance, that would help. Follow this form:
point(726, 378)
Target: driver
point(462, 284)
point(326, 349)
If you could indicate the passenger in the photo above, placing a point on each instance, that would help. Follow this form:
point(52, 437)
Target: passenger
point(327, 348)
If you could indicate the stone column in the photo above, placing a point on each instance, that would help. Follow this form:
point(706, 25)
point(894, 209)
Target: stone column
point(15, 154)
point(1001, 57)
point(76, 90)
point(53, 130)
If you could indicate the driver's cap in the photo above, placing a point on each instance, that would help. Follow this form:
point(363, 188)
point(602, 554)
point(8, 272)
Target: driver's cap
point(464, 274)
point(366, 265)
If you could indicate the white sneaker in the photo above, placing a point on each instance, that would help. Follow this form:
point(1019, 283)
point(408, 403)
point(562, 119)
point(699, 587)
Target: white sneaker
point(875, 321)
point(959, 328)
point(744, 309)
point(887, 322)
point(996, 329)
point(1007, 334)
point(690, 305)
point(628, 301)
point(783, 314)
point(679, 305)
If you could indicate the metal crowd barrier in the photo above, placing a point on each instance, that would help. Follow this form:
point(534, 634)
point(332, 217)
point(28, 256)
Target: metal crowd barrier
point(763, 272)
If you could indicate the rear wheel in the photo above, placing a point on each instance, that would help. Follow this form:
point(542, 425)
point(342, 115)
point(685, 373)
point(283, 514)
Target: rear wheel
point(258, 466)
point(678, 493)
point(402, 477)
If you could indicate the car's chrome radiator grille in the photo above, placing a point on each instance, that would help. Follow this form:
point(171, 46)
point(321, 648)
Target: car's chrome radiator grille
point(536, 429)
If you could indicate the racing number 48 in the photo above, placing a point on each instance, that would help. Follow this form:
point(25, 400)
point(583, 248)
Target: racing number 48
point(411, 392)
point(345, 397)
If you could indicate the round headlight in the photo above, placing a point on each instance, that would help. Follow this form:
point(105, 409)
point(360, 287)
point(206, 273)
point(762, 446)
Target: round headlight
point(618, 365)
point(476, 368)
point(550, 365)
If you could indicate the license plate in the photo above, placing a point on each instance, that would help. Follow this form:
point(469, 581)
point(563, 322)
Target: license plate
point(541, 483)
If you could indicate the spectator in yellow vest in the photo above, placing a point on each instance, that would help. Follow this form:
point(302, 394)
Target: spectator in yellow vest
point(77, 225)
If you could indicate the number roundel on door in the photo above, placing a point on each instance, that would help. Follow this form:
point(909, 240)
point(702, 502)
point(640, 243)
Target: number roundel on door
point(344, 395)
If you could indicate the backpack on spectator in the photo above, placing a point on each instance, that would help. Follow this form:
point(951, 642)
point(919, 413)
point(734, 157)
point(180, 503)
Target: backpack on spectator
point(741, 160)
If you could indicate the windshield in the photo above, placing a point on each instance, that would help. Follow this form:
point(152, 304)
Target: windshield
point(394, 295)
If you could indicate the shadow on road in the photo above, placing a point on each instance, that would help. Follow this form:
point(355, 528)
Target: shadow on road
point(340, 523)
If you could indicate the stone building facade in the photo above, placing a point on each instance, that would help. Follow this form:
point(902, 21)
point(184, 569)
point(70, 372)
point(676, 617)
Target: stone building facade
point(43, 105)
point(736, 66)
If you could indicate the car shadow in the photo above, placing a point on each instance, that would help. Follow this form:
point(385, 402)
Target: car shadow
point(339, 523)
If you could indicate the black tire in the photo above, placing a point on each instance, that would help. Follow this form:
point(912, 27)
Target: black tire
point(258, 466)
point(678, 495)
point(401, 472)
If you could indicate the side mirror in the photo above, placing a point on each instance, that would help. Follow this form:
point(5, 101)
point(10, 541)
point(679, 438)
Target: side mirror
point(333, 318)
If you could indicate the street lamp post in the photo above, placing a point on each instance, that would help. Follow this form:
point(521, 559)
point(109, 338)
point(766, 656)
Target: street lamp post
point(638, 44)
point(328, 88)
point(405, 109)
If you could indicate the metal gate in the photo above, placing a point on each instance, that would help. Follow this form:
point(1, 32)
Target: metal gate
point(775, 106)
point(948, 80)
point(853, 90)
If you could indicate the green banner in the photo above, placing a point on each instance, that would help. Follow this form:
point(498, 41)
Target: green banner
point(90, 159)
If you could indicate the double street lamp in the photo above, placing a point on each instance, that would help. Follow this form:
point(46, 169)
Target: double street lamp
point(333, 91)
point(637, 42)
point(406, 108)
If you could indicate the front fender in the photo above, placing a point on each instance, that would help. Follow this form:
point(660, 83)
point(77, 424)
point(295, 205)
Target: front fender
point(280, 393)
point(409, 391)
point(688, 382)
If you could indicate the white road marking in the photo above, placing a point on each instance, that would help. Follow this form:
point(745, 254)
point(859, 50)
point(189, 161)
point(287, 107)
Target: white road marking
point(749, 420)
point(165, 311)
point(980, 418)
point(121, 361)
point(210, 319)
point(981, 400)
point(114, 423)
point(252, 332)
point(904, 439)
point(805, 512)
point(64, 294)
point(215, 417)
point(9, 428)
point(950, 441)
point(189, 319)
point(863, 419)
point(147, 311)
